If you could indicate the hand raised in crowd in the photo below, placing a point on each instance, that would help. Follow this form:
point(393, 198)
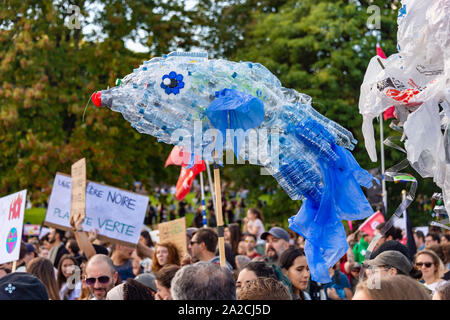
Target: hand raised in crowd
point(92, 235)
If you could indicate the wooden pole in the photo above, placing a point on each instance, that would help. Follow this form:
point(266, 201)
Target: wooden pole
point(14, 266)
point(220, 227)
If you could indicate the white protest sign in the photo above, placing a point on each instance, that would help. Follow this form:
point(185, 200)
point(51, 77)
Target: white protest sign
point(31, 230)
point(12, 211)
point(118, 215)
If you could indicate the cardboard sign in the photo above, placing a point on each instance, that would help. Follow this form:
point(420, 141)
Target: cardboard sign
point(174, 232)
point(78, 199)
point(118, 215)
point(12, 212)
point(31, 230)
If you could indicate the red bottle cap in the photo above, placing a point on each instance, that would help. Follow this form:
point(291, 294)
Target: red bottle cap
point(97, 98)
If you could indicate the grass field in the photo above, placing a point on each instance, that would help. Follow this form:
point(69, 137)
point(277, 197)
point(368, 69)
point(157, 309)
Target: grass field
point(35, 215)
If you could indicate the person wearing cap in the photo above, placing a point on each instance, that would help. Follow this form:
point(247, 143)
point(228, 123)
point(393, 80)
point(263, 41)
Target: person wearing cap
point(149, 280)
point(27, 253)
point(22, 286)
point(277, 241)
point(391, 262)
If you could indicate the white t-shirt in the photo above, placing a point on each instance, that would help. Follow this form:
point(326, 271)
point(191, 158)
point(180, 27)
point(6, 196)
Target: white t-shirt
point(433, 286)
point(258, 223)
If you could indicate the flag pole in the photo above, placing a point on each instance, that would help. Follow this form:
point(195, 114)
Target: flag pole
point(202, 187)
point(220, 227)
point(383, 180)
point(213, 195)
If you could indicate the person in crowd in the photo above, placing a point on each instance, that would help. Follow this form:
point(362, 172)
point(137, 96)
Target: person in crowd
point(69, 289)
point(432, 238)
point(242, 248)
point(197, 222)
point(26, 254)
point(212, 220)
point(250, 241)
point(359, 249)
point(148, 279)
point(253, 270)
point(44, 270)
point(43, 251)
point(432, 268)
point(354, 276)
point(232, 235)
point(229, 212)
point(254, 224)
point(241, 262)
point(398, 287)
point(122, 259)
point(203, 281)
point(58, 249)
point(339, 288)
point(294, 266)
point(392, 234)
point(203, 246)
point(22, 286)
point(393, 263)
point(437, 248)
point(136, 264)
point(101, 276)
point(130, 290)
point(181, 209)
point(391, 245)
point(419, 239)
point(165, 253)
point(446, 261)
point(146, 262)
point(264, 289)
point(442, 291)
point(73, 248)
point(445, 238)
point(277, 241)
point(163, 279)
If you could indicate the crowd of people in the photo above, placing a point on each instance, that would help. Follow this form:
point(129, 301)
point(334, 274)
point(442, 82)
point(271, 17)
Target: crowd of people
point(260, 265)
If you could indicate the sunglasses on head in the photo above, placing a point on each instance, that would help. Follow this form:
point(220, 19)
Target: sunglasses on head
point(101, 279)
point(426, 264)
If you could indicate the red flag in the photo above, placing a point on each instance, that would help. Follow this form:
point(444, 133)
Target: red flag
point(389, 113)
point(186, 178)
point(380, 52)
point(180, 158)
point(177, 157)
point(371, 223)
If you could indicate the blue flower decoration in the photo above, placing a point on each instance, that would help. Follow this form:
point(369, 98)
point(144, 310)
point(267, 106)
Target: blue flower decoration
point(172, 83)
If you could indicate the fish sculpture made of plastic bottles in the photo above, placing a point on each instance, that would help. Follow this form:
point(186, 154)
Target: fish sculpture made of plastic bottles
point(188, 100)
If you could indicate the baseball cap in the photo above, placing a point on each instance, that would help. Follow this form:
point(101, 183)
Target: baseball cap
point(277, 232)
point(190, 231)
point(30, 248)
point(147, 279)
point(391, 258)
point(22, 286)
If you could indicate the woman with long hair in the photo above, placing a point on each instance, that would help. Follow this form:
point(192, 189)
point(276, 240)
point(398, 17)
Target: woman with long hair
point(294, 266)
point(68, 290)
point(43, 269)
point(432, 268)
point(165, 253)
point(232, 235)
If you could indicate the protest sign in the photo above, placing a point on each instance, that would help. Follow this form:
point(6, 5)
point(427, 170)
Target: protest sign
point(174, 232)
point(12, 211)
point(31, 230)
point(78, 199)
point(118, 215)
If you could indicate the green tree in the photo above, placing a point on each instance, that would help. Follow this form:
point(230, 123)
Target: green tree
point(47, 74)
